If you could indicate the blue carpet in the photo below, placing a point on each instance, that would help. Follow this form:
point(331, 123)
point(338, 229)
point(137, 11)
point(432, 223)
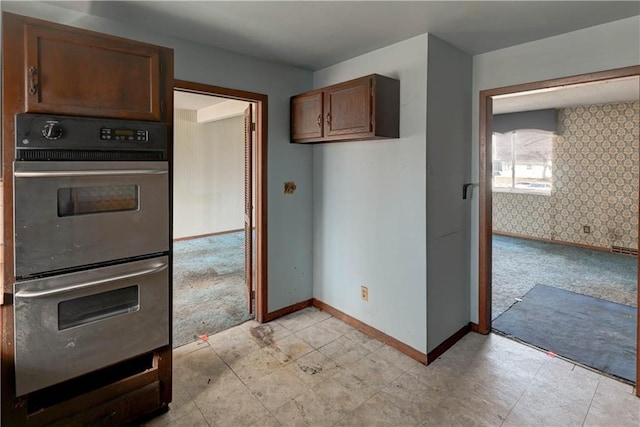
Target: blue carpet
point(588, 330)
point(208, 286)
point(520, 264)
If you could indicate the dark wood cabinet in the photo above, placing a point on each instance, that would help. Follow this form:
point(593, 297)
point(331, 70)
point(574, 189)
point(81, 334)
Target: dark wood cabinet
point(360, 109)
point(349, 108)
point(79, 73)
point(306, 117)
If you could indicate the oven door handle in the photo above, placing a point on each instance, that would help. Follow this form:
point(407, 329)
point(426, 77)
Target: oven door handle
point(54, 174)
point(49, 292)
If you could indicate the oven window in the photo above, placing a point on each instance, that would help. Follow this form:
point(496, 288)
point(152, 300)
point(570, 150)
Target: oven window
point(100, 306)
point(88, 200)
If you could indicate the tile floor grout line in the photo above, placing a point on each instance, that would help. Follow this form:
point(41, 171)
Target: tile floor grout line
point(517, 401)
point(203, 417)
point(245, 385)
point(379, 393)
point(586, 415)
point(198, 408)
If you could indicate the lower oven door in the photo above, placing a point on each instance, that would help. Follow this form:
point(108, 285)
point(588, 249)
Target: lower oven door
point(75, 323)
point(73, 214)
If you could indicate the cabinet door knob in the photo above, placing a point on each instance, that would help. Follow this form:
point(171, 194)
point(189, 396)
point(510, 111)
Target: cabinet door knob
point(319, 119)
point(328, 118)
point(33, 87)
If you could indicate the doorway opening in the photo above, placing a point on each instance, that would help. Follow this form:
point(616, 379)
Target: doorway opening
point(544, 219)
point(219, 210)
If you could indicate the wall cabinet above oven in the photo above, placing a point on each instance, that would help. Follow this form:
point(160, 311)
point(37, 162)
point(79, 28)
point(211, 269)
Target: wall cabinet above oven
point(360, 109)
point(76, 72)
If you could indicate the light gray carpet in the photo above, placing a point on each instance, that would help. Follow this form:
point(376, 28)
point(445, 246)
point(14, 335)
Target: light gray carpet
point(519, 264)
point(208, 286)
point(591, 331)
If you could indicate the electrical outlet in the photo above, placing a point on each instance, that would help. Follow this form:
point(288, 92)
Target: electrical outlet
point(586, 228)
point(364, 293)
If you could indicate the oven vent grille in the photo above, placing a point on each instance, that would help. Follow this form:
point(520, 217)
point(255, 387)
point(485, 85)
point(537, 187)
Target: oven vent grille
point(38, 154)
point(624, 251)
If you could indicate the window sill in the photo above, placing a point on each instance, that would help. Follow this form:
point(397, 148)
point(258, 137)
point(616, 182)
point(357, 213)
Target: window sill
point(522, 191)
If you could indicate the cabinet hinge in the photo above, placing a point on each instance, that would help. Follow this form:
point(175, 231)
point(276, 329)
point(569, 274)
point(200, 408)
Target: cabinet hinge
point(162, 105)
point(253, 126)
point(253, 294)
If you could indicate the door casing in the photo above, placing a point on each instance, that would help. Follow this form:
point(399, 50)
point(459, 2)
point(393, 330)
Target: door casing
point(485, 210)
point(260, 190)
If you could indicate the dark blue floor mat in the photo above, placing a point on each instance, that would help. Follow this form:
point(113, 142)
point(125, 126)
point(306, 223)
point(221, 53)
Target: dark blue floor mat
point(591, 331)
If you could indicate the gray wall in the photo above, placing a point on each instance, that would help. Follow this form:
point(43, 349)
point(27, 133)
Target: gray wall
point(369, 202)
point(448, 168)
point(290, 226)
point(598, 48)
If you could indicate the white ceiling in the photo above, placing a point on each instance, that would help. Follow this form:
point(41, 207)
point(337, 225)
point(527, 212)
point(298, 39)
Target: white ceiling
point(618, 90)
point(194, 101)
point(208, 108)
point(316, 34)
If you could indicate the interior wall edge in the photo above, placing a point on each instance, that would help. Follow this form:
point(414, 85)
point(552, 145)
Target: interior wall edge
point(449, 78)
point(448, 343)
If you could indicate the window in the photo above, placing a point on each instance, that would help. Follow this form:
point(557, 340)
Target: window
point(522, 161)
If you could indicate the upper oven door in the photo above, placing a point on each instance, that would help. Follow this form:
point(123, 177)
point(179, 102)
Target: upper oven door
point(72, 214)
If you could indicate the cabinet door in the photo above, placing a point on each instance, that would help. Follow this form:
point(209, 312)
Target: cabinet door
point(76, 73)
point(306, 117)
point(348, 108)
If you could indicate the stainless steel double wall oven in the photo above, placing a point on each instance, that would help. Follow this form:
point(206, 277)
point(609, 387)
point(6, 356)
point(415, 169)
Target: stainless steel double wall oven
point(92, 241)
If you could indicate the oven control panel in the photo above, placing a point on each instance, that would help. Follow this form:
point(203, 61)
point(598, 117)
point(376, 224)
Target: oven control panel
point(120, 134)
point(49, 137)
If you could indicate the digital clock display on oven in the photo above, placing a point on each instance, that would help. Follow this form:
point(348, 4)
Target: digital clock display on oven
point(134, 135)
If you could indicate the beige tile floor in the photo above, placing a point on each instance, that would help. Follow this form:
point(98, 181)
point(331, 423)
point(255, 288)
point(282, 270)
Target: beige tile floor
point(309, 368)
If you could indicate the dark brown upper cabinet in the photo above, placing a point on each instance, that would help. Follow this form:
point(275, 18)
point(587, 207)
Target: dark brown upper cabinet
point(360, 109)
point(77, 72)
point(306, 117)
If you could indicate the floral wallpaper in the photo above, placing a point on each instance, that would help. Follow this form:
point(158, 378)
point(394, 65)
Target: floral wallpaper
point(595, 182)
